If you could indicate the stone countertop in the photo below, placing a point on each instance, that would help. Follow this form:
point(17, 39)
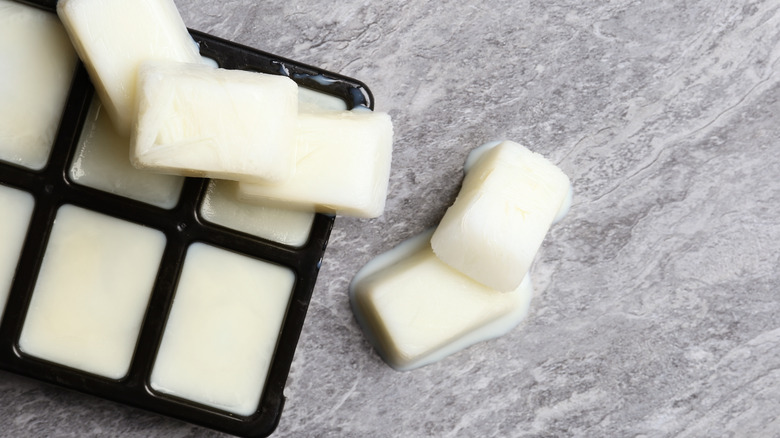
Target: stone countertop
point(657, 306)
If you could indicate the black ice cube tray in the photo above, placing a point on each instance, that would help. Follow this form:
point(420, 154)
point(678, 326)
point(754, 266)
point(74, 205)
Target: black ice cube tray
point(182, 225)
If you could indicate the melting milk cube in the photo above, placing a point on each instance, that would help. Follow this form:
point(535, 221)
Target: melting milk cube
point(342, 166)
point(37, 63)
point(416, 310)
point(113, 38)
point(220, 206)
point(222, 330)
point(508, 201)
point(101, 162)
point(92, 291)
point(17, 209)
point(196, 120)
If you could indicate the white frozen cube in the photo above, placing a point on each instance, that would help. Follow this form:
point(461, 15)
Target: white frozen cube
point(342, 166)
point(37, 63)
point(221, 333)
point(505, 207)
point(195, 120)
point(416, 310)
point(113, 38)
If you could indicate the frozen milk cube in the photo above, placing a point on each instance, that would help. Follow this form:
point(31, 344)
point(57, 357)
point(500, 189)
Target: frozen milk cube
point(342, 165)
point(508, 201)
point(113, 38)
point(222, 331)
point(37, 63)
point(416, 310)
point(91, 292)
point(195, 120)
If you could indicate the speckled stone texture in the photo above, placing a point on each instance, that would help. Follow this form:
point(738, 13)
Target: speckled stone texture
point(657, 307)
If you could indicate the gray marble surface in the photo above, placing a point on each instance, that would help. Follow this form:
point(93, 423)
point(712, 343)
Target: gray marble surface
point(657, 309)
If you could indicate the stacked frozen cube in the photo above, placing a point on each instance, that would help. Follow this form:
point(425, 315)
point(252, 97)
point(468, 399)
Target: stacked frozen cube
point(467, 280)
point(188, 118)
